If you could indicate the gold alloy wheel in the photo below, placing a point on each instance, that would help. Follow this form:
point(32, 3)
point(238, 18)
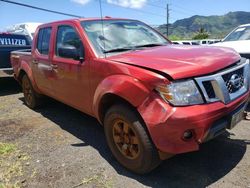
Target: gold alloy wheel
point(27, 90)
point(125, 139)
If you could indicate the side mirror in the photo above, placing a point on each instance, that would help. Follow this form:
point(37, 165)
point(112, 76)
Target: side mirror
point(69, 51)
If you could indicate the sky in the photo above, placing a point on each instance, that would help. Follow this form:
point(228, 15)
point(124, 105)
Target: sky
point(152, 12)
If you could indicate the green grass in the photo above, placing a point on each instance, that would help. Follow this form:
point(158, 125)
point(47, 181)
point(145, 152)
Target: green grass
point(6, 148)
point(11, 165)
point(9, 186)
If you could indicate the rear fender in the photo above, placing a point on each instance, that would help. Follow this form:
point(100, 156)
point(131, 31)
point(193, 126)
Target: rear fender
point(24, 66)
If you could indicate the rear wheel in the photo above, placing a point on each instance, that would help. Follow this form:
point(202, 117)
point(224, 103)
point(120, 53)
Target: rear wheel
point(31, 98)
point(128, 140)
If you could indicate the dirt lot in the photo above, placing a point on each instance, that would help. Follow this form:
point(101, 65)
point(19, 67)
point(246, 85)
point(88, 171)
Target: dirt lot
point(57, 146)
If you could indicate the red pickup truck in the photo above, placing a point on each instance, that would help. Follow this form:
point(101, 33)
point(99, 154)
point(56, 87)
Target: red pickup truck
point(154, 99)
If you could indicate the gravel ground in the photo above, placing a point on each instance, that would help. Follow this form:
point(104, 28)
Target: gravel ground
point(57, 146)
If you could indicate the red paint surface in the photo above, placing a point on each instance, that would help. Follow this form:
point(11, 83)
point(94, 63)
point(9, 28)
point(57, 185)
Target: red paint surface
point(167, 127)
point(82, 86)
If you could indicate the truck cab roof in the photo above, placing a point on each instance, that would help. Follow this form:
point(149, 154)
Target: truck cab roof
point(84, 19)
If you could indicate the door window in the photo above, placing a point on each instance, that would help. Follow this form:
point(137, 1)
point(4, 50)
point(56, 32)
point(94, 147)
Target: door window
point(67, 36)
point(44, 40)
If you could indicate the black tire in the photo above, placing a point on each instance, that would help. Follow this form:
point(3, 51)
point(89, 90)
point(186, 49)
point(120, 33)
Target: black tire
point(31, 98)
point(146, 157)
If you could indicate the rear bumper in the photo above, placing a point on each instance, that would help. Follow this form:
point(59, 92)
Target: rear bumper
point(167, 124)
point(6, 72)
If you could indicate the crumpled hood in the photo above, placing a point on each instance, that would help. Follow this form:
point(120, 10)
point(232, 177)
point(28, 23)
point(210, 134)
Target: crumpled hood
point(180, 61)
point(240, 46)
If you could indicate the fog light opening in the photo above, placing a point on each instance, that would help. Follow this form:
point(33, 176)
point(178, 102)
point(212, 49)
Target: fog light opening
point(188, 135)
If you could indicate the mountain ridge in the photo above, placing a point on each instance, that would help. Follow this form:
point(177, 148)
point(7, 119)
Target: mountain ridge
point(217, 26)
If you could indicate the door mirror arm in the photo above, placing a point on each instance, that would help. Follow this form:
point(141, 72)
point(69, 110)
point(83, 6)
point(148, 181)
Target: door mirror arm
point(81, 59)
point(81, 53)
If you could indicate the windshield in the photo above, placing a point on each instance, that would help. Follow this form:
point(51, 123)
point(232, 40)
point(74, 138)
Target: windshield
point(241, 33)
point(110, 36)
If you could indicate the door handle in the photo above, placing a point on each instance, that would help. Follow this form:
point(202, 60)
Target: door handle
point(54, 66)
point(34, 61)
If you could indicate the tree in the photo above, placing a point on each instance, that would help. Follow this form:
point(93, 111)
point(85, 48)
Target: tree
point(201, 34)
point(174, 37)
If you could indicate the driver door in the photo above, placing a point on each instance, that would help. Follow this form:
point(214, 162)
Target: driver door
point(71, 84)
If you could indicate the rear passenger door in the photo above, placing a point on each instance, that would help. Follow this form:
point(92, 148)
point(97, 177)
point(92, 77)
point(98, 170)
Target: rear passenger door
point(41, 66)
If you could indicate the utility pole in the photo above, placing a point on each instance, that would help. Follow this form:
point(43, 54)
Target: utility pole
point(167, 8)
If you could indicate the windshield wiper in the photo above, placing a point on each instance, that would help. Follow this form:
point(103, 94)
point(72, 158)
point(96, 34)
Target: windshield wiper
point(132, 48)
point(118, 50)
point(149, 45)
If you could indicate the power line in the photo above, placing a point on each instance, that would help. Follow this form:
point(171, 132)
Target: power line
point(157, 6)
point(42, 9)
point(185, 9)
point(182, 12)
point(142, 11)
point(77, 16)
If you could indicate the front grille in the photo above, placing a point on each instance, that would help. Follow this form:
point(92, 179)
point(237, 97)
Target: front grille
point(245, 55)
point(226, 85)
point(209, 89)
point(232, 86)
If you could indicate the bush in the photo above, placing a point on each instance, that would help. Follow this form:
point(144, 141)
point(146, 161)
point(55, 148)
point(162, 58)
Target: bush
point(201, 34)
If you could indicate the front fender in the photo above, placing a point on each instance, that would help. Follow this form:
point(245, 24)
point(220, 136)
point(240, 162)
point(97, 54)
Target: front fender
point(126, 87)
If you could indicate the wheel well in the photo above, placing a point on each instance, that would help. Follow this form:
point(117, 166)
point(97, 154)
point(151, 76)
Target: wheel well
point(109, 100)
point(20, 76)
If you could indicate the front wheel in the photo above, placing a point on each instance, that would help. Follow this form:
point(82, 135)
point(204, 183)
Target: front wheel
point(129, 141)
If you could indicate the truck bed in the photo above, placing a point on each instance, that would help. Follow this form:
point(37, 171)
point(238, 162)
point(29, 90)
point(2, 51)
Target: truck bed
point(17, 56)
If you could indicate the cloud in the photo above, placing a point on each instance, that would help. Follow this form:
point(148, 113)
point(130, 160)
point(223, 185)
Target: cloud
point(123, 3)
point(129, 3)
point(81, 2)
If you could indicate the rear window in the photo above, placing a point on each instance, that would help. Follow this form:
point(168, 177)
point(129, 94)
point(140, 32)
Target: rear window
point(44, 40)
point(13, 40)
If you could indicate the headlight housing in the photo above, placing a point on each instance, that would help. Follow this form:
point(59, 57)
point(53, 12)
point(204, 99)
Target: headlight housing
point(181, 93)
